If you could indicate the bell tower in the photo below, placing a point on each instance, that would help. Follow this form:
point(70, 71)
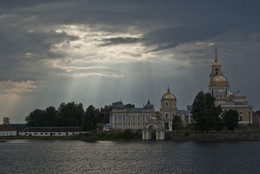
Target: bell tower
point(216, 67)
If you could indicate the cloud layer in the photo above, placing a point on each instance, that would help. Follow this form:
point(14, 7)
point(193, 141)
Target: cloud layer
point(96, 52)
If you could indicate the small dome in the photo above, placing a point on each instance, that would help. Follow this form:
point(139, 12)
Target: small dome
point(148, 105)
point(239, 94)
point(168, 96)
point(218, 80)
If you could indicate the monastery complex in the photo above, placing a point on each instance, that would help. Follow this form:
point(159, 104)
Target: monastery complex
point(147, 119)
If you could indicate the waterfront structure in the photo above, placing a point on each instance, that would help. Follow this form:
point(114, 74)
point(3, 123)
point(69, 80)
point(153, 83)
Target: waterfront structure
point(154, 127)
point(122, 118)
point(7, 130)
point(51, 131)
point(219, 88)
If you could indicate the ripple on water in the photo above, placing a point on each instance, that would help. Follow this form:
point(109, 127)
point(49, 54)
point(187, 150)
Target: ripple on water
point(43, 156)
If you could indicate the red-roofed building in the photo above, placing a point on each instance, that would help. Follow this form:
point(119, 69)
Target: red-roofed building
point(7, 130)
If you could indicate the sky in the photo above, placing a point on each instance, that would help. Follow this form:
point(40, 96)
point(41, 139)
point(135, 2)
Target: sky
point(98, 52)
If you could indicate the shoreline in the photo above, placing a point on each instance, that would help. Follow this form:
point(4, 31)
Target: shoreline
point(170, 136)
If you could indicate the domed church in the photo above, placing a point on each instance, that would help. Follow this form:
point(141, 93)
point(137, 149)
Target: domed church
point(219, 88)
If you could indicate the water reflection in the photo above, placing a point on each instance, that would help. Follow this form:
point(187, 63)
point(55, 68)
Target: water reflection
point(43, 156)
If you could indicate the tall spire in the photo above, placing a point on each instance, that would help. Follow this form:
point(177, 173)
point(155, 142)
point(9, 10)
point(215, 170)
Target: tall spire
point(216, 54)
point(168, 91)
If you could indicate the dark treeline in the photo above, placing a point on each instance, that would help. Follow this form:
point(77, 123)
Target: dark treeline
point(69, 115)
point(208, 116)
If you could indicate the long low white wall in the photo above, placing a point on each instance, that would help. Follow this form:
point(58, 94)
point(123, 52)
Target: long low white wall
point(7, 133)
point(49, 133)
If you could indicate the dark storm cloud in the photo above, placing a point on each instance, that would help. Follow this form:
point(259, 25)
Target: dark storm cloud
point(120, 40)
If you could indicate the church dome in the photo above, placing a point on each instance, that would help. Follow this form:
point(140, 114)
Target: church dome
point(219, 80)
point(168, 96)
point(238, 94)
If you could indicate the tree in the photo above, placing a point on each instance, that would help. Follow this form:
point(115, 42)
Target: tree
point(177, 123)
point(34, 119)
point(231, 119)
point(6, 120)
point(219, 124)
point(89, 122)
point(204, 112)
point(70, 114)
point(103, 114)
point(51, 116)
point(129, 105)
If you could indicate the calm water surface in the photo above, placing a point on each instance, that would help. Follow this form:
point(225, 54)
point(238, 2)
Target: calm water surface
point(43, 156)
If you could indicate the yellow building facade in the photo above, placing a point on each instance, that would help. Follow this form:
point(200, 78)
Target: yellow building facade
point(219, 88)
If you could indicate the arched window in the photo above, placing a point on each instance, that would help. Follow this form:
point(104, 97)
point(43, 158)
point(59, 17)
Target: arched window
point(166, 103)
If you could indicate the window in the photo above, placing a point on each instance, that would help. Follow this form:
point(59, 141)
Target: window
point(166, 115)
point(240, 118)
point(216, 69)
point(166, 103)
point(46, 133)
point(133, 117)
point(41, 133)
point(139, 117)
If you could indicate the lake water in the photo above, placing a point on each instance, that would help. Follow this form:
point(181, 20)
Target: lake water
point(46, 156)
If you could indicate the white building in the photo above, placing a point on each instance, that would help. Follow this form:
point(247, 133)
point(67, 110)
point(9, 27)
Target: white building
point(51, 131)
point(122, 118)
point(7, 130)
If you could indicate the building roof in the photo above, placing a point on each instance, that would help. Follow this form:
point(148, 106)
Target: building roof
point(53, 129)
point(19, 127)
point(239, 94)
point(168, 96)
point(148, 105)
point(218, 80)
point(182, 112)
point(6, 128)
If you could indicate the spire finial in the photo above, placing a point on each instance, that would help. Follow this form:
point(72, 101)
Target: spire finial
point(216, 54)
point(168, 89)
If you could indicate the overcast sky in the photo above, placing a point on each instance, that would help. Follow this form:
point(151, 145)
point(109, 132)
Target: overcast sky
point(99, 52)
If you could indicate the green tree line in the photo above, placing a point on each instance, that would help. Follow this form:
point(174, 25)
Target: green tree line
point(69, 115)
